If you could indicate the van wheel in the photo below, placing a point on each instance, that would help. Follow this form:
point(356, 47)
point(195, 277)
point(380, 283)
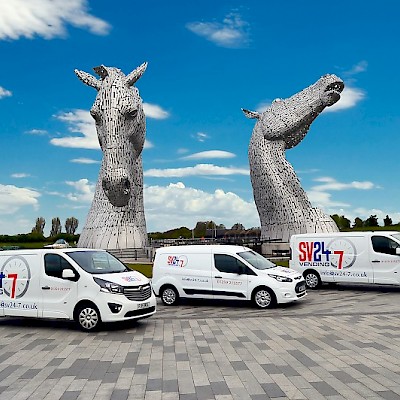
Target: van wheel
point(169, 295)
point(313, 281)
point(264, 298)
point(88, 317)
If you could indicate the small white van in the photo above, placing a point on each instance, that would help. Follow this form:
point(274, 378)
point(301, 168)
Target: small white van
point(357, 257)
point(223, 272)
point(88, 286)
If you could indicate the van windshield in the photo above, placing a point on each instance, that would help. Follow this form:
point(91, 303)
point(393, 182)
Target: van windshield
point(396, 236)
point(256, 260)
point(97, 262)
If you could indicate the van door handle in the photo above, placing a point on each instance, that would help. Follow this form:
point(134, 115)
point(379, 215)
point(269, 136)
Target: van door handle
point(219, 277)
point(46, 287)
point(375, 261)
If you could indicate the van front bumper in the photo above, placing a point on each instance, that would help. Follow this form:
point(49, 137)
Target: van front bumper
point(289, 293)
point(119, 308)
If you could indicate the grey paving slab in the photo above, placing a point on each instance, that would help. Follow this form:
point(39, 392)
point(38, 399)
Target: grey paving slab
point(338, 343)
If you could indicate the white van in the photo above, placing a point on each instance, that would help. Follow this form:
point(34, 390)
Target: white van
point(89, 286)
point(223, 272)
point(359, 257)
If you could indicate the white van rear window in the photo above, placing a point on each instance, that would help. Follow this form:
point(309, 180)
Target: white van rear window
point(256, 260)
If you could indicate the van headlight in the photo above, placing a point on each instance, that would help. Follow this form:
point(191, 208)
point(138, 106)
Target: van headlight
point(109, 287)
point(281, 278)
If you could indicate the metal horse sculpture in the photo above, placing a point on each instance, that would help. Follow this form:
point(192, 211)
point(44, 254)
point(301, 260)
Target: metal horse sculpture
point(116, 218)
point(282, 204)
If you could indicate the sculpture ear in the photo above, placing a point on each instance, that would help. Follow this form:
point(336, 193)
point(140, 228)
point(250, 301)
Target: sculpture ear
point(251, 114)
point(88, 79)
point(135, 74)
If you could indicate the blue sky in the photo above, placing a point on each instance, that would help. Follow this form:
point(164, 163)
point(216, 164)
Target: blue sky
point(206, 61)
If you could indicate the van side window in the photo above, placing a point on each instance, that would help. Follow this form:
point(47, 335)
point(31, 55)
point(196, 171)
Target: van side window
point(55, 264)
point(382, 244)
point(231, 265)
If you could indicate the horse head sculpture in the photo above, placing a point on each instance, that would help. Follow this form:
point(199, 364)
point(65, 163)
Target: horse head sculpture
point(121, 129)
point(282, 204)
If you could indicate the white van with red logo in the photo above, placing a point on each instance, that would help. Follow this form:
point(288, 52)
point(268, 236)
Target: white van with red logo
point(223, 272)
point(356, 257)
point(88, 286)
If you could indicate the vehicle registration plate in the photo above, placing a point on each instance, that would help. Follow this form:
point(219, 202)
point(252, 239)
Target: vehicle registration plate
point(143, 305)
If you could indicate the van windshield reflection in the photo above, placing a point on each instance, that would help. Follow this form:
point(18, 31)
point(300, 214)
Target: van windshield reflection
point(256, 260)
point(97, 262)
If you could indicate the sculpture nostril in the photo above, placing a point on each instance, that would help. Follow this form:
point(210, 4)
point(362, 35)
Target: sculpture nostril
point(127, 186)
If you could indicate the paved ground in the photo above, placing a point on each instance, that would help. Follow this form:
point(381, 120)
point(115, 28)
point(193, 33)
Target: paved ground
point(338, 343)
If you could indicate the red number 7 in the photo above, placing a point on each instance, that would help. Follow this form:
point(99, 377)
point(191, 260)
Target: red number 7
point(14, 284)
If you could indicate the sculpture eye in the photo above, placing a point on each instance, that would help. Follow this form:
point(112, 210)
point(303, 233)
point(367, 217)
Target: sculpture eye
point(131, 114)
point(96, 116)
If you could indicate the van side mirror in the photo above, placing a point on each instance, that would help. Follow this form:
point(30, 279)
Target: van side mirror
point(398, 251)
point(68, 274)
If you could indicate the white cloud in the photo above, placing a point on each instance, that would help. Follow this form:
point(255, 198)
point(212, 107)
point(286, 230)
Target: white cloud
point(4, 92)
point(182, 151)
point(79, 121)
point(349, 98)
point(357, 68)
point(329, 183)
point(38, 132)
point(46, 18)
point(197, 170)
point(20, 175)
point(84, 160)
point(13, 198)
point(209, 154)
point(200, 136)
point(148, 144)
point(186, 206)
point(232, 32)
point(323, 200)
point(83, 191)
point(154, 111)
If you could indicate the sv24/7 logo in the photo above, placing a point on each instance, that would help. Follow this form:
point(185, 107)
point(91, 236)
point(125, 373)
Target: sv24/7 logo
point(177, 261)
point(15, 275)
point(339, 253)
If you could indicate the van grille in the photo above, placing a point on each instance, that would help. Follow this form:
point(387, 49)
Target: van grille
point(138, 293)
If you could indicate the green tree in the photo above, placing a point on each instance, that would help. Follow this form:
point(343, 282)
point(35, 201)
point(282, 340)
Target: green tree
point(39, 226)
point(358, 223)
point(341, 221)
point(372, 220)
point(55, 227)
point(238, 227)
point(387, 221)
point(71, 225)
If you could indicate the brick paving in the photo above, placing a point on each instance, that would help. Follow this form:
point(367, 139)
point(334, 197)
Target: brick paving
point(340, 342)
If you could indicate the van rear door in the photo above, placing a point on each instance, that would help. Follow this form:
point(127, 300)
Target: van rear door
point(384, 260)
point(19, 277)
point(229, 277)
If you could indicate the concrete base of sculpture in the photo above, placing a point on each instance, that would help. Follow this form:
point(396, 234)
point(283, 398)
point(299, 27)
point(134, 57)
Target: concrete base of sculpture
point(282, 204)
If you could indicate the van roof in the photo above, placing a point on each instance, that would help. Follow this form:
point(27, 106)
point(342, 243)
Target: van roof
point(345, 234)
point(43, 251)
point(202, 248)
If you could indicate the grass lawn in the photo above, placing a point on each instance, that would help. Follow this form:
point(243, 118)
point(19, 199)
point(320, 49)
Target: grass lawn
point(145, 269)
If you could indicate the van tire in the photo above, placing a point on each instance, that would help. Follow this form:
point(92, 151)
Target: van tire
point(313, 281)
point(264, 297)
point(169, 295)
point(87, 316)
